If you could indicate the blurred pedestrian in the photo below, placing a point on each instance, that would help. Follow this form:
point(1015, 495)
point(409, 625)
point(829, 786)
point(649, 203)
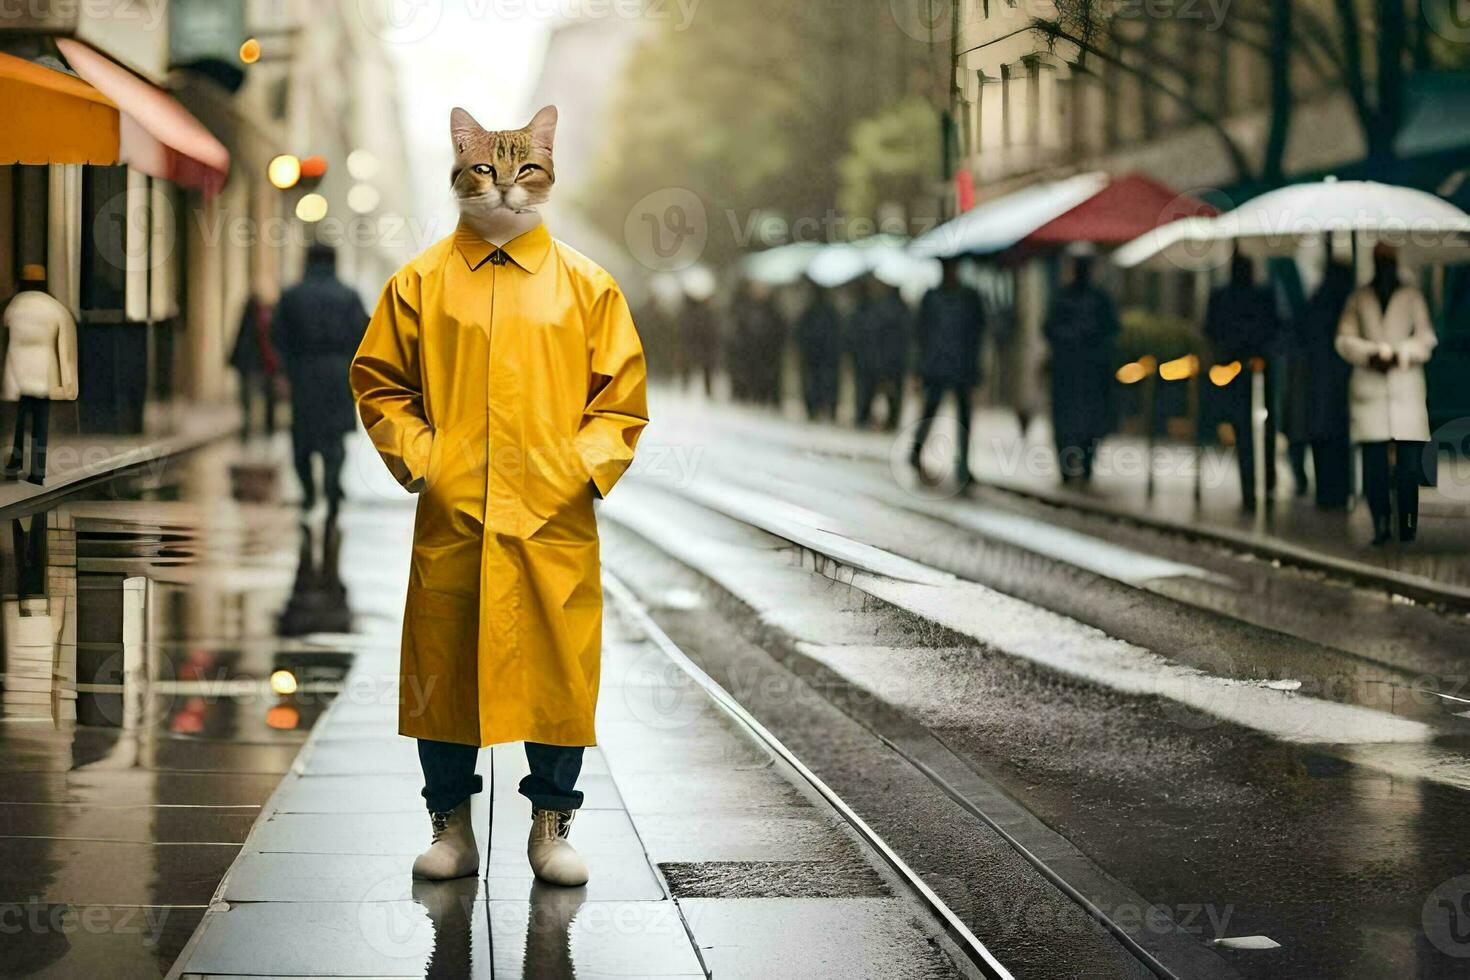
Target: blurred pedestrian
point(950, 324)
point(768, 340)
point(1387, 335)
point(316, 328)
point(754, 345)
point(1081, 327)
point(819, 347)
point(255, 359)
point(879, 344)
point(1326, 387)
point(1241, 325)
point(702, 334)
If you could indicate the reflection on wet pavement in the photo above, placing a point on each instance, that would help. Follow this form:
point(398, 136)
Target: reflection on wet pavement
point(152, 702)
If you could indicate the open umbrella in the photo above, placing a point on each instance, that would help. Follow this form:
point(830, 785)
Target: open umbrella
point(998, 224)
point(782, 265)
point(1426, 228)
point(842, 262)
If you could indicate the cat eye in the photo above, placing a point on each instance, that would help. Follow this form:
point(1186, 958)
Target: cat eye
point(484, 170)
point(527, 169)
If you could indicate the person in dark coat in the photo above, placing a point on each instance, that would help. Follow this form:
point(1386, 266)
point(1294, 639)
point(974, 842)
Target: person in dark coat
point(1241, 324)
point(754, 345)
point(317, 327)
point(1325, 396)
point(702, 341)
point(1291, 302)
point(767, 328)
point(819, 347)
point(1081, 327)
point(951, 322)
point(879, 345)
point(255, 358)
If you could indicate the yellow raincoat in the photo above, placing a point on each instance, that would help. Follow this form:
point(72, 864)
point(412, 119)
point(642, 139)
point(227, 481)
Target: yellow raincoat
point(505, 387)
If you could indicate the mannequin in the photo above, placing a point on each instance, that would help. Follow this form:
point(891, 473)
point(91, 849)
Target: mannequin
point(40, 366)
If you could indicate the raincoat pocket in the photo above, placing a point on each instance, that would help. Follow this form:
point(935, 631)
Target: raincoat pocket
point(439, 683)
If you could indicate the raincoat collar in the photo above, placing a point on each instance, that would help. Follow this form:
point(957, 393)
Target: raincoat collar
point(527, 250)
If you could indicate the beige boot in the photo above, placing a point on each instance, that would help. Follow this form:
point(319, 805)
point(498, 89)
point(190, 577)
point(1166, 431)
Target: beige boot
point(553, 859)
point(453, 853)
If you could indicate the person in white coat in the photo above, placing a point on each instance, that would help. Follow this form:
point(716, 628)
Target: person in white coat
point(1387, 336)
point(40, 366)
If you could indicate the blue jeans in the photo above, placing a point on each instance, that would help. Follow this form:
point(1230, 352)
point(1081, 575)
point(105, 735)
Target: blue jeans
point(450, 777)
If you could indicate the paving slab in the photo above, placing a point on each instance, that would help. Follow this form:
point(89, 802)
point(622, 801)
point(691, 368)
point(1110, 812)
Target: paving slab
point(682, 799)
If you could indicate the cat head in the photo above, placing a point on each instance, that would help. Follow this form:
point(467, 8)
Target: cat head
point(506, 169)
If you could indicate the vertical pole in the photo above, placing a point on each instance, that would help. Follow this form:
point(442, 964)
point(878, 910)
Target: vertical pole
point(1150, 422)
point(1263, 458)
point(1199, 449)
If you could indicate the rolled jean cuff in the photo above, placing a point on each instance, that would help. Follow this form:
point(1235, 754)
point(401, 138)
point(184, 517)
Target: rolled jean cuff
point(548, 798)
point(444, 800)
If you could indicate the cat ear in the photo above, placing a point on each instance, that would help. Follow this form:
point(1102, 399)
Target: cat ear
point(462, 125)
point(543, 128)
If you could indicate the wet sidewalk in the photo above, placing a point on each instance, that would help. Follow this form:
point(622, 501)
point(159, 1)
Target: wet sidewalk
point(1294, 530)
point(706, 857)
point(75, 460)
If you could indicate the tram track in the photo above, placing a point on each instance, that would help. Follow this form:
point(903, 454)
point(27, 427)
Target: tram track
point(965, 941)
point(1167, 952)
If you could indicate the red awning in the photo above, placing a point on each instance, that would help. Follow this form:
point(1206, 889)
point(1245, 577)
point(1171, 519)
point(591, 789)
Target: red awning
point(157, 135)
point(1127, 207)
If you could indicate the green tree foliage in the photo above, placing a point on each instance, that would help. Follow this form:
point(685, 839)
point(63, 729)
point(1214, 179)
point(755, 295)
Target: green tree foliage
point(892, 157)
point(751, 108)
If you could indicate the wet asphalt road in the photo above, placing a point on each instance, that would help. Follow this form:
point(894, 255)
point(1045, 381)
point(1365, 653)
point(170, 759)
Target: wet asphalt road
point(1338, 850)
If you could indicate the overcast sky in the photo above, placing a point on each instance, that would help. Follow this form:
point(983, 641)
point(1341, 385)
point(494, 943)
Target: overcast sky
point(465, 53)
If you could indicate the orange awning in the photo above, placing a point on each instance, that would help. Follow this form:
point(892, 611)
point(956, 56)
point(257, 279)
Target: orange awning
point(53, 117)
point(157, 135)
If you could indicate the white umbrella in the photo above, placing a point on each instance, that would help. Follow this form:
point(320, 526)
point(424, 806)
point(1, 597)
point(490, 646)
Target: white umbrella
point(1424, 227)
point(782, 265)
point(842, 262)
point(998, 224)
point(908, 273)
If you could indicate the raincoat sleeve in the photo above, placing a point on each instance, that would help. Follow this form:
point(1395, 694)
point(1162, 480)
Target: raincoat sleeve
point(388, 386)
point(617, 406)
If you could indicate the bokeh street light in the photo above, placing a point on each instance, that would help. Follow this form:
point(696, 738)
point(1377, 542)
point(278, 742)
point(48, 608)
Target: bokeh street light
point(312, 207)
point(284, 171)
